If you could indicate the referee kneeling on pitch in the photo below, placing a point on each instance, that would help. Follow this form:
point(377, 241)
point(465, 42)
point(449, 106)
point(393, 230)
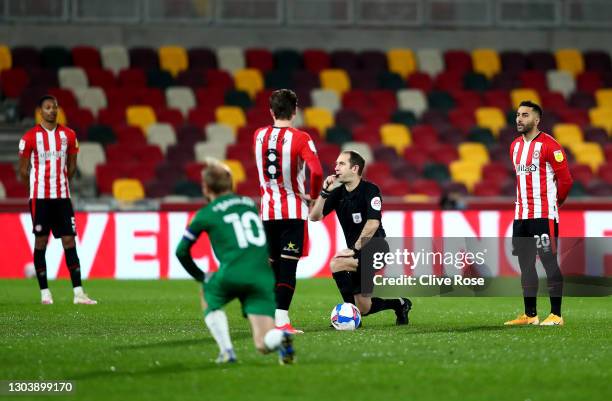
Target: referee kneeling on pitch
point(358, 205)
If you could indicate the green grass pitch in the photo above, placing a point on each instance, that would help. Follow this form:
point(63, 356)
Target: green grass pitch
point(146, 340)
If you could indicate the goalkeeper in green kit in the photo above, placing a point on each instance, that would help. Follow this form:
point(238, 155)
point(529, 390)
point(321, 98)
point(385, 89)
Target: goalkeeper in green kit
point(239, 241)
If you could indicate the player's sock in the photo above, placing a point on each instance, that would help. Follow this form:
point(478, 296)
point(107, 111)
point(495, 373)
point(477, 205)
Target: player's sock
point(219, 328)
point(285, 286)
point(40, 265)
point(281, 317)
point(273, 339)
point(530, 306)
point(380, 304)
point(555, 305)
point(74, 266)
point(345, 286)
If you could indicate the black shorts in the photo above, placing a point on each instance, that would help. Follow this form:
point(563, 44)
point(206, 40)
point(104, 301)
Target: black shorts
point(541, 233)
point(55, 215)
point(285, 237)
point(362, 278)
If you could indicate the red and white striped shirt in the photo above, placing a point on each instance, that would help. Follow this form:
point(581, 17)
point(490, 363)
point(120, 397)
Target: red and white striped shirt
point(280, 154)
point(542, 177)
point(48, 152)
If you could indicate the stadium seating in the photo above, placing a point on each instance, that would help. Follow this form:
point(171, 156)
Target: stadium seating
point(430, 121)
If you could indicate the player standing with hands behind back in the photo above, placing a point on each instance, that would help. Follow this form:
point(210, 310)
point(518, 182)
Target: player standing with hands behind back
point(52, 151)
point(542, 184)
point(281, 152)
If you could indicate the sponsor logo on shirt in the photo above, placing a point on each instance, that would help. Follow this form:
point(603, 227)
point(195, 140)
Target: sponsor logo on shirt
point(376, 203)
point(524, 169)
point(291, 247)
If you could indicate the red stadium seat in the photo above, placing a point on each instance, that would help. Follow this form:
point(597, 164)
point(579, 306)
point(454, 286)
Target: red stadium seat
point(210, 97)
point(605, 172)
point(173, 117)
point(132, 77)
point(534, 80)
point(426, 187)
point(581, 173)
point(13, 82)
point(462, 118)
point(260, 59)
point(316, 60)
point(589, 81)
point(487, 188)
point(112, 116)
point(128, 135)
point(65, 98)
point(420, 80)
point(467, 99)
point(459, 61)
point(449, 81)
point(499, 98)
point(552, 101)
point(416, 157)
point(219, 79)
point(100, 77)
point(86, 57)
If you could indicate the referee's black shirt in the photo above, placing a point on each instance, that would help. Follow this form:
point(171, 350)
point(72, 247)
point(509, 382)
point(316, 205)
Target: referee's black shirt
point(355, 208)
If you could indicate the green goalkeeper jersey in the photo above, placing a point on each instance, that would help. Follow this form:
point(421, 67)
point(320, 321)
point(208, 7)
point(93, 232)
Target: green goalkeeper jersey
point(236, 234)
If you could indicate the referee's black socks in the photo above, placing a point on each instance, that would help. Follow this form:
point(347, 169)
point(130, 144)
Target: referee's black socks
point(40, 265)
point(74, 266)
point(345, 286)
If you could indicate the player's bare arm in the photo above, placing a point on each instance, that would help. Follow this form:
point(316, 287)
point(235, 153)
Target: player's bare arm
point(72, 165)
point(24, 171)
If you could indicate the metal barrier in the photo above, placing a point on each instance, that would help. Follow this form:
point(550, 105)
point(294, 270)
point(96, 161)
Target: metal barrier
point(592, 14)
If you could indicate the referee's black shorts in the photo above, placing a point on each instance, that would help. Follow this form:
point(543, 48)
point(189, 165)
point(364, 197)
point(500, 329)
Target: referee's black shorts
point(52, 215)
point(362, 278)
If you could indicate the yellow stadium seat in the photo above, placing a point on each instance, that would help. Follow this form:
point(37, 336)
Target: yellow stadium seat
point(518, 95)
point(567, 134)
point(491, 118)
point(335, 79)
point(237, 169)
point(6, 60)
point(474, 152)
point(486, 61)
point(140, 116)
point(466, 172)
point(396, 136)
point(319, 118)
point(604, 98)
point(173, 59)
point(589, 153)
point(61, 116)
point(602, 117)
point(401, 61)
point(128, 190)
point(249, 80)
point(570, 60)
point(231, 115)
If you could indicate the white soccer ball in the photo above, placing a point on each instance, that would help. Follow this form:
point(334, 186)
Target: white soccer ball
point(345, 317)
point(29, 271)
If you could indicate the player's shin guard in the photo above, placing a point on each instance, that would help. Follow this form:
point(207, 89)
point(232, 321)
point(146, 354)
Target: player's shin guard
point(40, 265)
point(285, 285)
point(345, 286)
point(554, 280)
point(380, 304)
point(74, 266)
point(219, 328)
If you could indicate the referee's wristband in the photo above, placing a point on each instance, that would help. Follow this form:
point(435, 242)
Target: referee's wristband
point(324, 193)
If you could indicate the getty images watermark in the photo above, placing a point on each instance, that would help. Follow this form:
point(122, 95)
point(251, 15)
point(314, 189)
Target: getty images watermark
point(480, 266)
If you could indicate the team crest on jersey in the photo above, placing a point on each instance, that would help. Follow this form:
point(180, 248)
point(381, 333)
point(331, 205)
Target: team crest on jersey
point(38, 228)
point(64, 142)
point(558, 155)
point(536, 154)
point(357, 218)
point(22, 145)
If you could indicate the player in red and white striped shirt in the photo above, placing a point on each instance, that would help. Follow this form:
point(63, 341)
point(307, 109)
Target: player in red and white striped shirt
point(282, 154)
point(51, 151)
point(543, 182)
